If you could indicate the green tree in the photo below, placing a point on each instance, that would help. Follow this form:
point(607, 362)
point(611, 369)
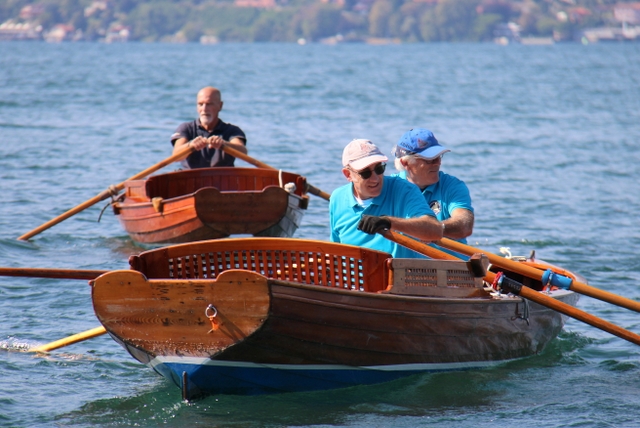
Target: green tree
point(379, 16)
point(152, 21)
point(320, 20)
point(11, 8)
point(451, 21)
point(274, 26)
point(484, 25)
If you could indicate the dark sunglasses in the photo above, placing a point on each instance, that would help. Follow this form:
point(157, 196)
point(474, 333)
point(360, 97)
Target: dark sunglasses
point(366, 174)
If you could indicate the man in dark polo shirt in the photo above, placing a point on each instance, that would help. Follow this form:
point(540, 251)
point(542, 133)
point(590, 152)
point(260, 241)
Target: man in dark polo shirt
point(207, 134)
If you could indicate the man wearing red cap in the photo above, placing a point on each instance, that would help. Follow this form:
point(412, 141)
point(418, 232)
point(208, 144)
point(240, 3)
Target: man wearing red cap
point(371, 202)
point(418, 158)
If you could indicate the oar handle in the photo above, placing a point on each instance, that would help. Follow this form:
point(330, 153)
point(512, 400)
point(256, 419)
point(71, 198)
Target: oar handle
point(532, 272)
point(517, 288)
point(255, 162)
point(112, 190)
point(317, 192)
point(238, 154)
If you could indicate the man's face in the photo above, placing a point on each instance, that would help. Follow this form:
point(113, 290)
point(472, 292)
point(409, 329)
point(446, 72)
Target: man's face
point(209, 105)
point(366, 188)
point(423, 172)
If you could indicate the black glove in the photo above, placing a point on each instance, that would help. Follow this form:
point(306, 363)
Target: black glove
point(371, 224)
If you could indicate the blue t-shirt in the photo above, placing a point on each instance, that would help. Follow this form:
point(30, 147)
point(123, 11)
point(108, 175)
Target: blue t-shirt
point(448, 194)
point(398, 198)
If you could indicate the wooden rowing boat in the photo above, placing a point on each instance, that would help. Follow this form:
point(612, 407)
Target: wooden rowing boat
point(266, 315)
point(210, 203)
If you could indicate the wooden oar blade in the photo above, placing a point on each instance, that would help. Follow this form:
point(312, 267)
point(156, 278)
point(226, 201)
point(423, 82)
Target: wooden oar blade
point(70, 340)
point(112, 190)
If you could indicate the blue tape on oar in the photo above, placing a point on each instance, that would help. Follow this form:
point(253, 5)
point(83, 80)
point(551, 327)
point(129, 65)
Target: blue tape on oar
point(549, 277)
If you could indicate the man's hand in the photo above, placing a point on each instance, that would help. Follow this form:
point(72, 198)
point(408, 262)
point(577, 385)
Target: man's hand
point(371, 224)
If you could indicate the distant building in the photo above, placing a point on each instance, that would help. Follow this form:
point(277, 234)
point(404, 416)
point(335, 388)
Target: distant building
point(627, 13)
point(95, 7)
point(260, 4)
point(31, 12)
point(60, 33)
point(339, 3)
point(11, 30)
point(505, 33)
point(117, 33)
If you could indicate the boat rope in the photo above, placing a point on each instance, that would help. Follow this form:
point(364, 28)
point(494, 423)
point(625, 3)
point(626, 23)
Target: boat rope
point(113, 200)
point(507, 252)
point(280, 178)
point(211, 312)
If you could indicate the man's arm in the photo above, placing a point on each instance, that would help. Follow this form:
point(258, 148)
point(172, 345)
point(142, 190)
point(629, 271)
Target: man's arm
point(179, 145)
point(424, 228)
point(214, 142)
point(238, 144)
point(460, 225)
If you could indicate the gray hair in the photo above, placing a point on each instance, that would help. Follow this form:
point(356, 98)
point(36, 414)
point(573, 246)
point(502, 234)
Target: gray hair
point(398, 162)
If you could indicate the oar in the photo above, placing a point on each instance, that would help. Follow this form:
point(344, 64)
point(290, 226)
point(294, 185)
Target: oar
point(255, 162)
point(111, 191)
point(519, 289)
point(52, 273)
point(532, 272)
point(70, 340)
point(86, 274)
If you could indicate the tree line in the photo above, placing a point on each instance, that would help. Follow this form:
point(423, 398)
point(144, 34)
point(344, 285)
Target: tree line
point(313, 20)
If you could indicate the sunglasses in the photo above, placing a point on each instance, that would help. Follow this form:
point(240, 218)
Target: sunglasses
point(366, 174)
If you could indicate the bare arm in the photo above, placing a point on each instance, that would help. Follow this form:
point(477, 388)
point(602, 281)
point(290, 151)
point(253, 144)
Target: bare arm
point(460, 225)
point(425, 228)
point(214, 142)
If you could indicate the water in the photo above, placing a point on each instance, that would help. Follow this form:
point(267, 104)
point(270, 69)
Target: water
point(546, 137)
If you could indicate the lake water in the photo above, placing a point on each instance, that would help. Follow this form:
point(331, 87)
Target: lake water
point(546, 137)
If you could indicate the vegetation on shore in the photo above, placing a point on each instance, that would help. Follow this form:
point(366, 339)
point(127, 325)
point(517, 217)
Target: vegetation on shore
point(311, 20)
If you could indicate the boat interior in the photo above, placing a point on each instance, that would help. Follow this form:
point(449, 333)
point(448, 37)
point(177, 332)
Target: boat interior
point(225, 179)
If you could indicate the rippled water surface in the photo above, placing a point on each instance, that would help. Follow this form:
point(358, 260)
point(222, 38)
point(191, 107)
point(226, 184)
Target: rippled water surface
point(546, 137)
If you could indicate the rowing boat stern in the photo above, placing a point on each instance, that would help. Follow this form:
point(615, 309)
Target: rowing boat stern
point(197, 318)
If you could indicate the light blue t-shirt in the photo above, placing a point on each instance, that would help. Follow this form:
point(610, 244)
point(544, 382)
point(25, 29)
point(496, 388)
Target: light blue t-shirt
point(398, 198)
point(448, 194)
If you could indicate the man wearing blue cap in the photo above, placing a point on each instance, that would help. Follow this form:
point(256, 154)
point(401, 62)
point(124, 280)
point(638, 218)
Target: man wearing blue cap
point(418, 158)
point(371, 202)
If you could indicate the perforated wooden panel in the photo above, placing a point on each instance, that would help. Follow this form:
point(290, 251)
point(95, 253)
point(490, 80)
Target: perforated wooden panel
point(441, 278)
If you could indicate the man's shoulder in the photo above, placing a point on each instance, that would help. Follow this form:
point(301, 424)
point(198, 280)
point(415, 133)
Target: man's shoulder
point(448, 178)
point(397, 183)
point(226, 125)
point(191, 125)
point(228, 130)
point(185, 130)
point(341, 192)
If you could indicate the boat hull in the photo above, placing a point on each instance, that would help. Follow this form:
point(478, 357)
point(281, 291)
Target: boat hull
point(378, 345)
point(211, 203)
point(311, 336)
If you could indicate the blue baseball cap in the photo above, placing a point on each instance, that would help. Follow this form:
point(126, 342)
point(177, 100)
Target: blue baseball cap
point(420, 142)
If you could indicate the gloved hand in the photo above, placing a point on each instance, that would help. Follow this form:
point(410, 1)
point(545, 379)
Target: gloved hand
point(371, 224)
